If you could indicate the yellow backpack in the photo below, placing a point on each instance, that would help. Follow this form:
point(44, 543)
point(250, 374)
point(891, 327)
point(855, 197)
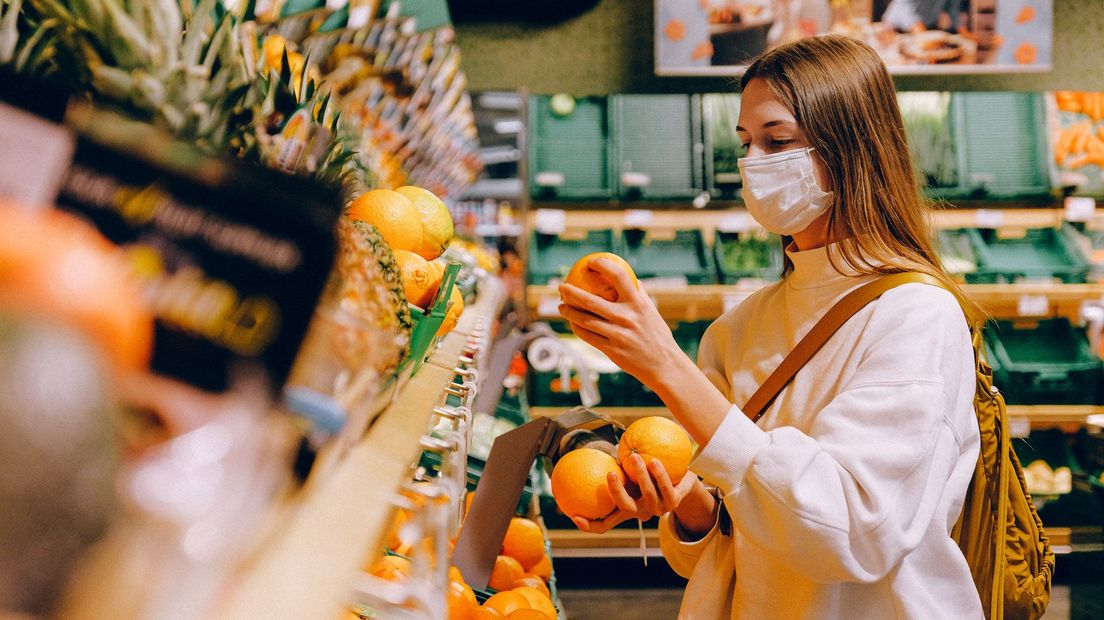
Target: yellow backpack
point(999, 532)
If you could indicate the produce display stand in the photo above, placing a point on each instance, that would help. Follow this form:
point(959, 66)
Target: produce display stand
point(307, 568)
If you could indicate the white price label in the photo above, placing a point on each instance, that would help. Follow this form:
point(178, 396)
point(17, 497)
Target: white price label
point(989, 218)
point(1080, 208)
point(359, 16)
point(731, 300)
point(334, 5)
point(551, 221)
point(1019, 425)
point(737, 223)
point(638, 218)
point(1032, 305)
point(548, 306)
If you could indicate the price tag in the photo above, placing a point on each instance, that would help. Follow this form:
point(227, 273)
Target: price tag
point(737, 223)
point(549, 179)
point(1032, 305)
point(359, 16)
point(638, 218)
point(1019, 426)
point(1080, 208)
point(636, 179)
point(551, 221)
point(731, 300)
point(989, 218)
point(548, 306)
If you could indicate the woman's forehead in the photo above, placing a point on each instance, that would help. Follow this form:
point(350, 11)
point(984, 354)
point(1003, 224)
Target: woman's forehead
point(760, 108)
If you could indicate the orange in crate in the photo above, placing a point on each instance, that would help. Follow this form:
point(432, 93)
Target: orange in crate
point(507, 602)
point(524, 541)
point(537, 600)
point(506, 571)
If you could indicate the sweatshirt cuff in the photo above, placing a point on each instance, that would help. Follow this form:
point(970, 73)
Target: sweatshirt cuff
point(726, 457)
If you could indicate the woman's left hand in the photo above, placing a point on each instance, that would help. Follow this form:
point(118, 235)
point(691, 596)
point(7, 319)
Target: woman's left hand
point(630, 331)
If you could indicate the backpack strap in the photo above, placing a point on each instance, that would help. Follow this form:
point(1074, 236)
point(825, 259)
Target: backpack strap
point(828, 325)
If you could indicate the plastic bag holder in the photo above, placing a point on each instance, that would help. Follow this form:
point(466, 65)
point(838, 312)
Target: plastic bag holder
point(508, 464)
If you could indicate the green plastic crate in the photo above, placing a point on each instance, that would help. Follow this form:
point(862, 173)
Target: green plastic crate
point(1042, 253)
point(684, 255)
point(424, 333)
point(551, 256)
point(741, 256)
point(1081, 506)
point(657, 145)
point(427, 14)
point(722, 148)
point(1047, 361)
point(957, 250)
point(1000, 141)
point(569, 155)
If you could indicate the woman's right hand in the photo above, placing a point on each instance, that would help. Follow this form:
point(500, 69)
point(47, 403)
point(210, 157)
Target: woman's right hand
point(653, 495)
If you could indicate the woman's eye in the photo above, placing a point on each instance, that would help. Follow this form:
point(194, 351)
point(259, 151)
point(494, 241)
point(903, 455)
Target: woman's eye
point(780, 143)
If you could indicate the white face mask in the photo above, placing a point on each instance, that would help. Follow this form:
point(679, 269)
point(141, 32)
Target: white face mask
point(781, 190)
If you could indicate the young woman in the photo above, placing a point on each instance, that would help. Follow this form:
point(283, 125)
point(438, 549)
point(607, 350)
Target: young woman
point(842, 497)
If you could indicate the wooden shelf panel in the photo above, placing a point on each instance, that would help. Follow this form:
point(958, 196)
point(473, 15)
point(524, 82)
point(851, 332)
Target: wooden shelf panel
point(1040, 415)
point(568, 543)
point(709, 301)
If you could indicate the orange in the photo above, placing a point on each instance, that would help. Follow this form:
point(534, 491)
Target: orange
point(507, 602)
point(419, 280)
point(437, 229)
point(537, 600)
point(532, 581)
point(506, 571)
point(659, 438)
point(453, 314)
point(524, 541)
point(394, 542)
point(543, 569)
point(468, 499)
point(530, 614)
point(391, 568)
point(586, 278)
point(488, 613)
point(55, 265)
point(579, 483)
point(393, 215)
point(454, 574)
point(461, 602)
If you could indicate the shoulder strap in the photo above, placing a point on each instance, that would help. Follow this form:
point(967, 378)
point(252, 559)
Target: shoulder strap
point(830, 323)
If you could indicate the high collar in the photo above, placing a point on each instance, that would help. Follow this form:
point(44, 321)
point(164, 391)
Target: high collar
point(818, 267)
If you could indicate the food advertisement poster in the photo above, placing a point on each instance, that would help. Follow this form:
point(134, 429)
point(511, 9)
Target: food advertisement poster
point(1075, 127)
point(719, 37)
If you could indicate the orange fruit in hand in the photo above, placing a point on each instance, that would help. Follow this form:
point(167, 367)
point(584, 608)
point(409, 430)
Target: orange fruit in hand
point(530, 614)
point(585, 277)
point(391, 568)
point(506, 571)
point(533, 582)
point(393, 215)
point(524, 541)
point(420, 281)
point(453, 315)
point(659, 438)
point(543, 569)
point(507, 602)
point(537, 600)
point(579, 483)
point(437, 229)
point(461, 601)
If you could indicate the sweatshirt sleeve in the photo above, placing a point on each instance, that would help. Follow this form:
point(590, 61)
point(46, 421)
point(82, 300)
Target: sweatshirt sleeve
point(855, 492)
point(680, 554)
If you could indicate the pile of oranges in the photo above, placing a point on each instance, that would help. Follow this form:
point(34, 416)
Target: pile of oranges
point(418, 227)
point(579, 480)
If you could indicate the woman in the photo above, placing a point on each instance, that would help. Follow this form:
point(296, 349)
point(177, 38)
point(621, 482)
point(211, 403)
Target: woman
point(842, 497)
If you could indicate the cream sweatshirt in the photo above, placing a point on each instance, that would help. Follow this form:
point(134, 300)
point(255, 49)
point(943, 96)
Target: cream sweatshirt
point(843, 496)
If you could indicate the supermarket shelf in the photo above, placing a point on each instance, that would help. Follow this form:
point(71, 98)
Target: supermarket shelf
point(626, 543)
point(617, 543)
point(674, 215)
point(306, 570)
point(708, 301)
point(1039, 415)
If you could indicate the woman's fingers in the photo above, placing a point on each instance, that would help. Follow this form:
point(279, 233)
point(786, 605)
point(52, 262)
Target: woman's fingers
point(588, 321)
point(648, 495)
point(625, 284)
point(603, 525)
point(574, 296)
point(621, 497)
point(597, 341)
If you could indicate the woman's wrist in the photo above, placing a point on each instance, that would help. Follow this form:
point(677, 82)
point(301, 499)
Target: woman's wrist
point(696, 513)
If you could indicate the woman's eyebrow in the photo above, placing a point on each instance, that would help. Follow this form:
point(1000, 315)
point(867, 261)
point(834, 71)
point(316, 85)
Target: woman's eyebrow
point(770, 124)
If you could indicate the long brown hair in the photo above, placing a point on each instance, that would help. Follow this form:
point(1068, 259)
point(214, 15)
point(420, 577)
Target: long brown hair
point(843, 98)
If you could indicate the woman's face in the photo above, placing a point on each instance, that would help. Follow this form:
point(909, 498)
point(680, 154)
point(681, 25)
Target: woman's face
point(767, 126)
